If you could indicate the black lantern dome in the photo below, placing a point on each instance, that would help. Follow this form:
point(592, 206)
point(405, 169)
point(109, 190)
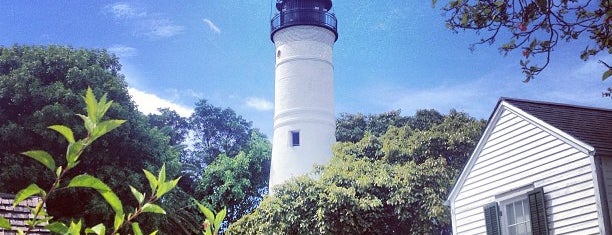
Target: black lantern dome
point(303, 12)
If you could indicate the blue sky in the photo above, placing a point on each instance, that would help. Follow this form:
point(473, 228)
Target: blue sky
point(390, 55)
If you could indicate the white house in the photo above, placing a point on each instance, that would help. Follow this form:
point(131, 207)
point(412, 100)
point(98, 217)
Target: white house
point(539, 168)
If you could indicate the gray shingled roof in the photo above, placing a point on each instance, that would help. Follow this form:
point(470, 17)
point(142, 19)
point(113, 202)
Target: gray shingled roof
point(18, 215)
point(590, 125)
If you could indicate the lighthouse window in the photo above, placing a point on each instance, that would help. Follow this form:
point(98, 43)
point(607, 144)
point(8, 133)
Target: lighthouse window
point(295, 138)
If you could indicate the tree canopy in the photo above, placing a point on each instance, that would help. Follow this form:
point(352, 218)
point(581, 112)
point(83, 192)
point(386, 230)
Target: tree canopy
point(228, 162)
point(392, 183)
point(536, 27)
point(42, 86)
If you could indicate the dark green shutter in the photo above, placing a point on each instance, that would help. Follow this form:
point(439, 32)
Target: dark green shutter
point(537, 212)
point(492, 214)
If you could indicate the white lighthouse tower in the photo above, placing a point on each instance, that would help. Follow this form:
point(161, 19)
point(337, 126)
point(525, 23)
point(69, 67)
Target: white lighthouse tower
point(303, 32)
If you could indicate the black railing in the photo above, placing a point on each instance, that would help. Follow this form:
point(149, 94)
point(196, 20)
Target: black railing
point(304, 17)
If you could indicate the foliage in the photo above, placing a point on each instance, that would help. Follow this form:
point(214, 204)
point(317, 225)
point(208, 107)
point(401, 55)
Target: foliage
point(353, 127)
point(536, 27)
point(229, 163)
point(216, 131)
point(41, 86)
point(393, 183)
point(96, 128)
point(171, 124)
point(237, 182)
point(213, 222)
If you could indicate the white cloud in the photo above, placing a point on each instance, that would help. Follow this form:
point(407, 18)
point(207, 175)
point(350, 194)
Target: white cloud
point(122, 51)
point(163, 28)
point(578, 84)
point(153, 25)
point(195, 94)
point(124, 11)
point(212, 26)
point(260, 104)
point(149, 103)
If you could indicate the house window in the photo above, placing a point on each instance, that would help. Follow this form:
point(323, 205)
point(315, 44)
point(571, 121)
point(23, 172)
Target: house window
point(523, 215)
point(295, 138)
point(515, 217)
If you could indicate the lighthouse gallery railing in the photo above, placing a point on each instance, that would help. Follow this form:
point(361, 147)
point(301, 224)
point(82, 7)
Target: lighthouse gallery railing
point(304, 17)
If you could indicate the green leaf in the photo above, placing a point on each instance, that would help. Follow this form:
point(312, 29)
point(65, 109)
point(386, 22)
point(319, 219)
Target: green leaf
point(499, 3)
point(219, 219)
point(533, 44)
point(118, 221)
point(104, 127)
point(57, 227)
point(139, 196)
point(152, 208)
point(174, 182)
point(58, 171)
point(464, 19)
point(75, 228)
point(88, 181)
point(162, 189)
point(153, 233)
point(99, 229)
point(31, 190)
point(90, 101)
point(210, 216)
point(208, 231)
point(166, 187)
point(42, 157)
point(152, 181)
point(606, 75)
point(102, 107)
point(73, 153)
point(161, 176)
point(4, 223)
point(65, 131)
point(87, 122)
point(136, 229)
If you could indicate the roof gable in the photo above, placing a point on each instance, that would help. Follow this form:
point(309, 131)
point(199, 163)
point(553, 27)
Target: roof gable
point(566, 125)
point(591, 125)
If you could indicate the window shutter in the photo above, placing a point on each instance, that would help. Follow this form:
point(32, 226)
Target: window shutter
point(537, 212)
point(492, 214)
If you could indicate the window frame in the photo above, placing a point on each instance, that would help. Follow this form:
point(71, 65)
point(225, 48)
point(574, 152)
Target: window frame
point(496, 215)
point(504, 213)
point(292, 137)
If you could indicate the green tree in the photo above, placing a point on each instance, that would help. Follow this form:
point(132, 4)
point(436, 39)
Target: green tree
point(215, 131)
point(394, 183)
point(356, 196)
point(41, 86)
point(353, 127)
point(228, 162)
point(171, 124)
point(238, 183)
point(536, 27)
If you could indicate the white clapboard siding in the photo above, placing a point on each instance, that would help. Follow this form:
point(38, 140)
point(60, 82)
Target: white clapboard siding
point(518, 153)
point(606, 163)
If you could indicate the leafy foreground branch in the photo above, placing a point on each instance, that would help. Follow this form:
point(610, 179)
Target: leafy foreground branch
point(536, 27)
point(95, 129)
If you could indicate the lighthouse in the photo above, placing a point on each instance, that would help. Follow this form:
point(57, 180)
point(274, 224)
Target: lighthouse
point(303, 33)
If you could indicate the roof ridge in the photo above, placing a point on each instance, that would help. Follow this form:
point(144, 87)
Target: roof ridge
point(509, 99)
